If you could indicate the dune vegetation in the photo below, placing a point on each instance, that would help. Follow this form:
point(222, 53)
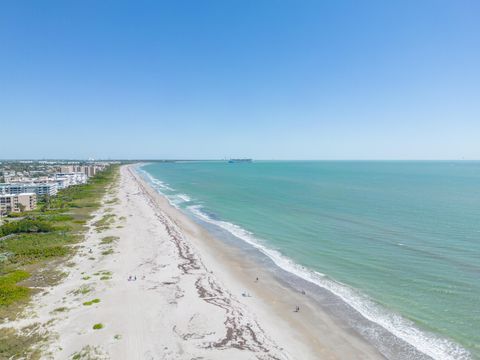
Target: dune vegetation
point(34, 243)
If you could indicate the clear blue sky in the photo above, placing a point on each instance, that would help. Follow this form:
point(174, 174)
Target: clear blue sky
point(263, 79)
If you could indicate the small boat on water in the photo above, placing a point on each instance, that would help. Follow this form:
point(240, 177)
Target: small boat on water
point(232, 161)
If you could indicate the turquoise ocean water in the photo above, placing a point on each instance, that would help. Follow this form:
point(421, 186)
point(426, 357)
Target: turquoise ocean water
point(398, 241)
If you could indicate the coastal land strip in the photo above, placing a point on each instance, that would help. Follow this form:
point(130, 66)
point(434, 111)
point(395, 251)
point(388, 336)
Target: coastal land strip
point(147, 282)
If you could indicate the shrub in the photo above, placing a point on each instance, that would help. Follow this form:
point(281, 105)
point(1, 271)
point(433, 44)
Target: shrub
point(25, 226)
point(98, 326)
point(16, 215)
point(109, 239)
point(82, 290)
point(107, 252)
point(61, 309)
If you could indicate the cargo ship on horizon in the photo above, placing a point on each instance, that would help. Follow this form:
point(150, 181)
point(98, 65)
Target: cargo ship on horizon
point(231, 161)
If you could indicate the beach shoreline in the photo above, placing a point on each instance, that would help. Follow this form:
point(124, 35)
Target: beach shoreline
point(308, 240)
point(273, 302)
point(153, 284)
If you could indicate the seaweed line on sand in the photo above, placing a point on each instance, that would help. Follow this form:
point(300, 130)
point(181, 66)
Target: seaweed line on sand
point(241, 333)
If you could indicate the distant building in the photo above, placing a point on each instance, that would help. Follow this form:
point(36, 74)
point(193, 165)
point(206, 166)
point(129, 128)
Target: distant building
point(17, 202)
point(89, 170)
point(64, 180)
point(68, 169)
point(19, 188)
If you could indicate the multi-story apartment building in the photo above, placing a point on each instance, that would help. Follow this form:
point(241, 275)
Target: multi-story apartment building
point(39, 189)
point(17, 202)
point(89, 170)
point(64, 180)
point(68, 168)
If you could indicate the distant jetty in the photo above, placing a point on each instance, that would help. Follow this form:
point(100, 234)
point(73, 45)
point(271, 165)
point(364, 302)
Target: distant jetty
point(231, 161)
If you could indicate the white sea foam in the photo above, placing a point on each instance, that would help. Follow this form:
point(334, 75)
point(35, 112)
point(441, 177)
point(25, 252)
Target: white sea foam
point(429, 344)
point(162, 185)
point(184, 197)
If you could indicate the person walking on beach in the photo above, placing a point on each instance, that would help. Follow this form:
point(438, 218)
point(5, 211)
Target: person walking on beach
point(297, 308)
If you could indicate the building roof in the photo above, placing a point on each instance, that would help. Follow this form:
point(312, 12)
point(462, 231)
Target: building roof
point(27, 184)
point(10, 195)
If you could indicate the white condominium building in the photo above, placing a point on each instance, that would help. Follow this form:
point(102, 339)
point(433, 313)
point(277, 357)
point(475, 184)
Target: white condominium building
point(64, 180)
point(38, 189)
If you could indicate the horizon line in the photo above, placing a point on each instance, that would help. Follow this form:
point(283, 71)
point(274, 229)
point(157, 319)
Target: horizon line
point(217, 159)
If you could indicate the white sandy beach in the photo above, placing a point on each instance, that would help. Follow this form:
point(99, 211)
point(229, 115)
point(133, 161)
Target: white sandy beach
point(186, 301)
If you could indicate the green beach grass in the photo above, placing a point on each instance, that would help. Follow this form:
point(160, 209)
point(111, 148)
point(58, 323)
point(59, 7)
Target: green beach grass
point(91, 302)
point(108, 240)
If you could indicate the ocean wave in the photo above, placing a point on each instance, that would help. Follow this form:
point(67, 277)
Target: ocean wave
point(177, 199)
point(174, 199)
point(427, 343)
point(157, 184)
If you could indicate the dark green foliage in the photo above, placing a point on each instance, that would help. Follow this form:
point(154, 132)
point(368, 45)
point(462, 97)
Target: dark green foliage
point(16, 215)
point(25, 226)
